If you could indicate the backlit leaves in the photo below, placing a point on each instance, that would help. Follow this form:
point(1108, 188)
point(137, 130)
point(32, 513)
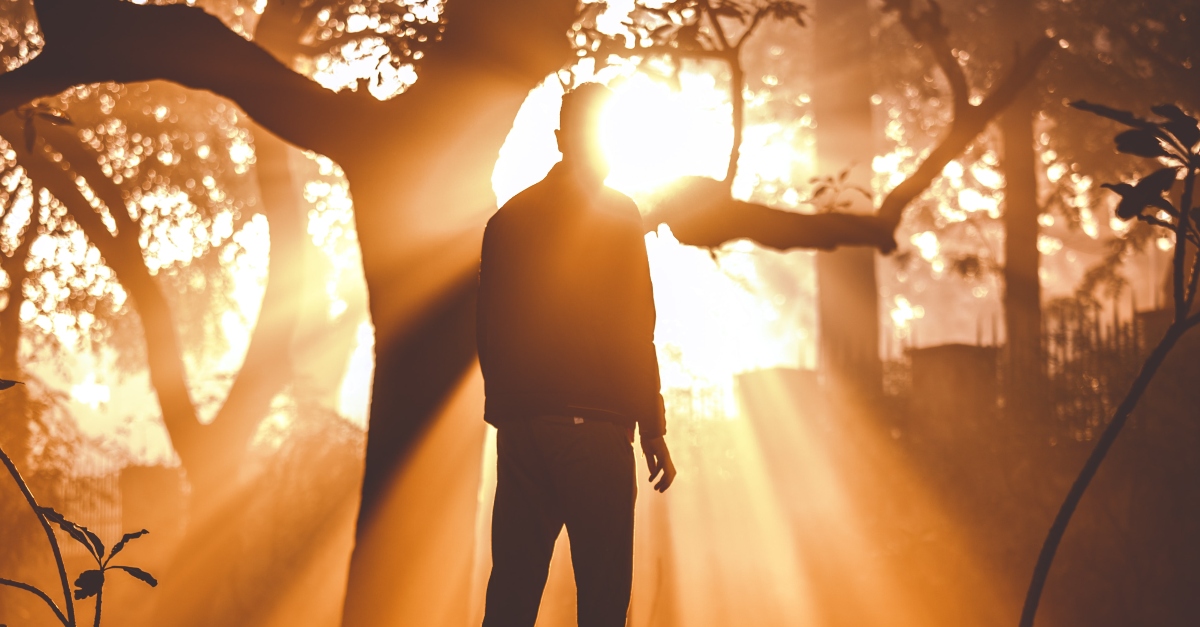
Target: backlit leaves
point(79, 533)
point(125, 539)
point(88, 584)
point(1140, 142)
point(139, 574)
point(1147, 192)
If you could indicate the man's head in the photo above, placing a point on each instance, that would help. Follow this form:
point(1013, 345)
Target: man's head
point(579, 131)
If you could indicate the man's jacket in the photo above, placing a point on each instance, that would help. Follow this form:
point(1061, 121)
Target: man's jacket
point(566, 309)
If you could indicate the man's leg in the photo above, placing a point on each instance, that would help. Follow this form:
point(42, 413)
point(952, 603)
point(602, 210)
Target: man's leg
point(597, 488)
point(525, 524)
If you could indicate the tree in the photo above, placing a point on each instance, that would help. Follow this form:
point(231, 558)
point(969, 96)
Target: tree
point(418, 166)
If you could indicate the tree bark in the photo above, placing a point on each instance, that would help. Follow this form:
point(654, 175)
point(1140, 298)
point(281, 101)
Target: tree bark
point(1022, 287)
point(848, 298)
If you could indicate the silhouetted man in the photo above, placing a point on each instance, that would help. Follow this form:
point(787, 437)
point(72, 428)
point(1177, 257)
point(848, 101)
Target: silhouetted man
point(565, 332)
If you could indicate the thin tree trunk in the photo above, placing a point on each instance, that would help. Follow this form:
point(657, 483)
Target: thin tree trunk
point(1025, 396)
point(848, 298)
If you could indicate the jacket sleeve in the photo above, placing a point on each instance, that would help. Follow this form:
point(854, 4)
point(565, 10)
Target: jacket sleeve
point(651, 418)
point(483, 302)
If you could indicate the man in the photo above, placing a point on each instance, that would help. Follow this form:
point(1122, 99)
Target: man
point(565, 332)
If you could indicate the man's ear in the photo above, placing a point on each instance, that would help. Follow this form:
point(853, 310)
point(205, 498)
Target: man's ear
point(558, 138)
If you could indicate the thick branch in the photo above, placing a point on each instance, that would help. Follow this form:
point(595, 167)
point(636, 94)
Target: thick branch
point(10, 317)
point(965, 128)
point(927, 28)
point(701, 213)
point(266, 367)
point(695, 209)
point(123, 254)
point(90, 41)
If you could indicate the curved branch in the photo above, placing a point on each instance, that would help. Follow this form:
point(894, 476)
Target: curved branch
point(41, 595)
point(926, 27)
point(965, 128)
point(1059, 527)
point(69, 619)
point(122, 252)
point(206, 450)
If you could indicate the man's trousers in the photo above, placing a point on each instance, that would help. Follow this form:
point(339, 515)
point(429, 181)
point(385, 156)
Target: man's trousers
point(551, 472)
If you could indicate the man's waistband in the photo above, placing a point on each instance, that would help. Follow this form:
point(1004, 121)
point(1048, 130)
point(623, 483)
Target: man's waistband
point(578, 420)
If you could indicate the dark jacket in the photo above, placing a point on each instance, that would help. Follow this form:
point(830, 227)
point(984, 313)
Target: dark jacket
point(566, 309)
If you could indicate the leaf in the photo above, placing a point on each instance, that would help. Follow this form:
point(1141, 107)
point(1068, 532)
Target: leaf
point(1124, 117)
point(54, 116)
point(72, 529)
point(95, 540)
point(1158, 182)
point(7, 383)
point(1187, 131)
point(140, 574)
point(1141, 142)
point(88, 584)
point(1145, 193)
point(124, 539)
point(1170, 111)
point(1183, 126)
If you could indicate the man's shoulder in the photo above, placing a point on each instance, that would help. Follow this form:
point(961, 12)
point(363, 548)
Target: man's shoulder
point(524, 200)
point(621, 206)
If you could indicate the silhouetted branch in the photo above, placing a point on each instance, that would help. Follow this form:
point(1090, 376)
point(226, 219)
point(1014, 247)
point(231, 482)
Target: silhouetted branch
point(265, 369)
point(69, 619)
point(964, 129)
point(1059, 527)
point(1169, 141)
point(968, 123)
point(123, 254)
point(926, 27)
point(90, 41)
point(41, 595)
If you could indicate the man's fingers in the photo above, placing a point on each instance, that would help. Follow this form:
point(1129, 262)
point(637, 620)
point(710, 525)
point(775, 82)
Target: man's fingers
point(654, 465)
point(668, 477)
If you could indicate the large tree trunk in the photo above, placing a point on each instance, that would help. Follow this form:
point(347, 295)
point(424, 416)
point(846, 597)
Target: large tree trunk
point(1022, 290)
point(847, 291)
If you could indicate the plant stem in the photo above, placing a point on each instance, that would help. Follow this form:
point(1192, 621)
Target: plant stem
point(62, 569)
point(1059, 528)
point(1180, 258)
point(41, 595)
point(99, 597)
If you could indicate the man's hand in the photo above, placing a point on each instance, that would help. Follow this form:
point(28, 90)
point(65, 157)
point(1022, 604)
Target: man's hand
point(658, 460)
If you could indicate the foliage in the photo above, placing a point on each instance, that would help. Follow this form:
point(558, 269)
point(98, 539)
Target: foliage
point(90, 582)
point(1173, 140)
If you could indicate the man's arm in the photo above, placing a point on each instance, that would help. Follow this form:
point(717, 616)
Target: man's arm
point(484, 297)
point(652, 422)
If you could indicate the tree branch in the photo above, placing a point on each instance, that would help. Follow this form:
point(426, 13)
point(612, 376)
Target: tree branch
point(693, 209)
point(41, 595)
point(90, 41)
point(965, 128)
point(926, 27)
point(122, 252)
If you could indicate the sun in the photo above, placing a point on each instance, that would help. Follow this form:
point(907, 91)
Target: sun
point(653, 134)
point(714, 319)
